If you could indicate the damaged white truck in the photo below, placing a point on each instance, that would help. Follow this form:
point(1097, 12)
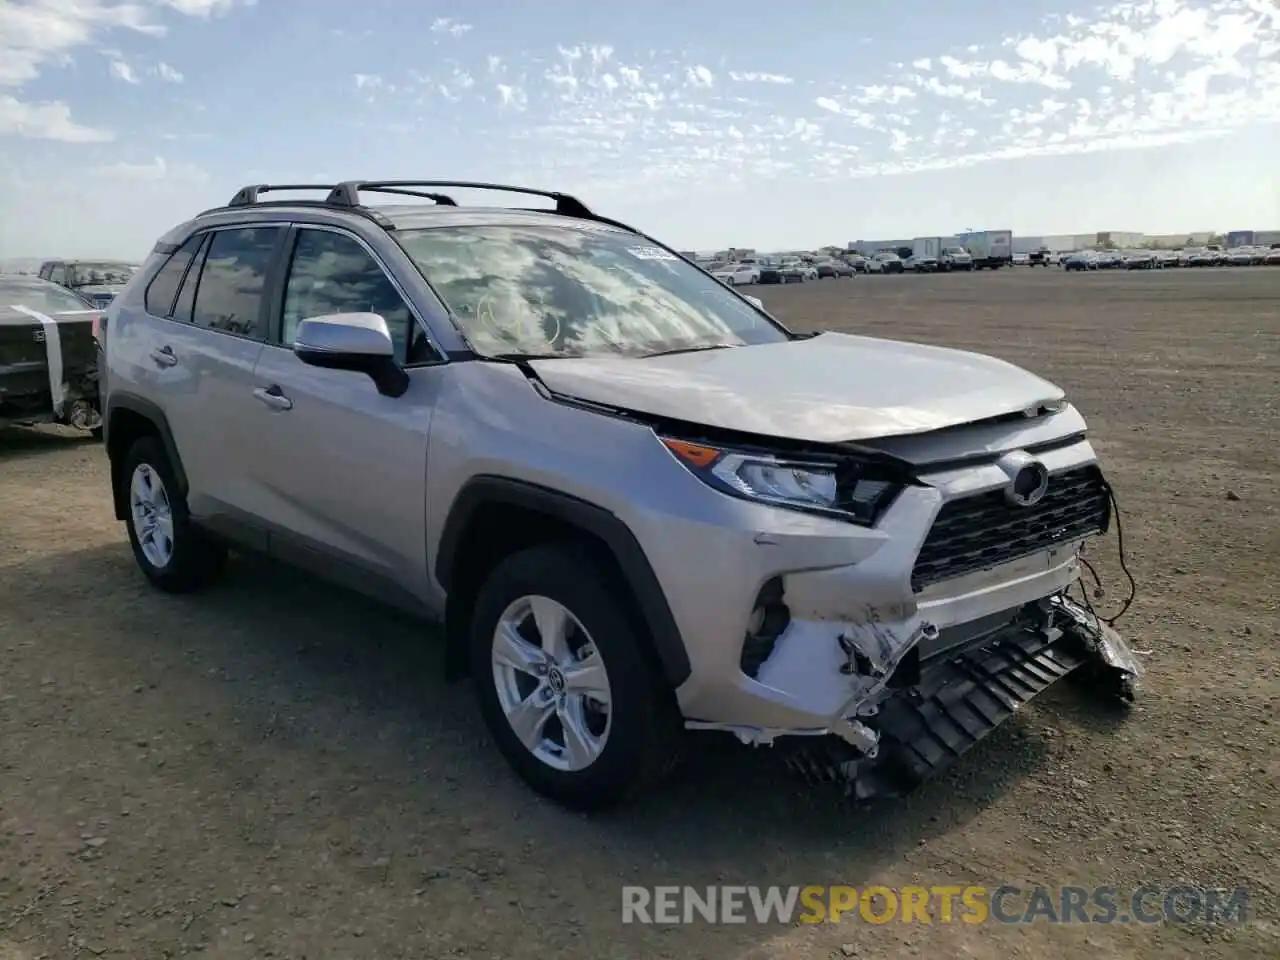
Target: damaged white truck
point(640, 503)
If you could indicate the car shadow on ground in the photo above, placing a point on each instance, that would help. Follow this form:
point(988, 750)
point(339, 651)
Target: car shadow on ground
point(292, 674)
point(17, 443)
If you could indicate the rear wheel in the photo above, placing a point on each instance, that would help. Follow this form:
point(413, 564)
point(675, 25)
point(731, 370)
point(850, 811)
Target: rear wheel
point(564, 683)
point(172, 553)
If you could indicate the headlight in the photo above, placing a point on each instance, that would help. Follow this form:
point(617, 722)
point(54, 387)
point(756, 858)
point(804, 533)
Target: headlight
point(846, 488)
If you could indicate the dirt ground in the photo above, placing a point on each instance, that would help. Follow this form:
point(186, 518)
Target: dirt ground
point(275, 769)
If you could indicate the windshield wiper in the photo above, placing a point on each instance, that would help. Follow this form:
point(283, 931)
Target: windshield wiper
point(524, 357)
point(705, 346)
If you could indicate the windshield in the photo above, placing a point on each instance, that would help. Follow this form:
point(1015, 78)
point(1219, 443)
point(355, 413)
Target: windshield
point(93, 274)
point(556, 291)
point(42, 298)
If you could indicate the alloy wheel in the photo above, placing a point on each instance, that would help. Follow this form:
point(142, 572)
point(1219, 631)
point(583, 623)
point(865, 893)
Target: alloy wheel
point(152, 515)
point(551, 683)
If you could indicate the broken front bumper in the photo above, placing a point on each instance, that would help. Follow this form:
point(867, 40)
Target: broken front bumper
point(935, 710)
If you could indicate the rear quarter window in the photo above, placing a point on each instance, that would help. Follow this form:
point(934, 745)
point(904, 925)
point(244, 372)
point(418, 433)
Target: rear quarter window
point(163, 288)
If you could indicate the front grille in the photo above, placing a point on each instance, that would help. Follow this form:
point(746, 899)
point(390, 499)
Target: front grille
point(985, 531)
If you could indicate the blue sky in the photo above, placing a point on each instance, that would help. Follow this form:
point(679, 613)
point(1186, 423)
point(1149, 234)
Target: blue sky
point(751, 123)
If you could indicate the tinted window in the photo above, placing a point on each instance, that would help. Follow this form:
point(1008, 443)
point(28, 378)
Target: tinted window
point(164, 285)
point(564, 291)
point(185, 305)
point(58, 273)
point(234, 277)
point(332, 273)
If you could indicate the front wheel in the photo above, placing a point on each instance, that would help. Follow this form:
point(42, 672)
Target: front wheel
point(564, 683)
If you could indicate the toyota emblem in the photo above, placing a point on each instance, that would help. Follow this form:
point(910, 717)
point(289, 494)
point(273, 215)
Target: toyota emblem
point(1028, 486)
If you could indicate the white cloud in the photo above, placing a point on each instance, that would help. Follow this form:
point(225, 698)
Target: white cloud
point(122, 71)
point(450, 26)
point(158, 169)
point(37, 34)
point(206, 8)
point(367, 81)
point(45, 121)
point(512, 96)
point(754, 77)
point(699, 76)
point(168, 73)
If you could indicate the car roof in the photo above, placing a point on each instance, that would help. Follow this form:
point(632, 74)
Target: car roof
point(420, 216)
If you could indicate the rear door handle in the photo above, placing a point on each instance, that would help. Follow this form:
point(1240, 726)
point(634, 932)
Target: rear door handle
point(273, 397)
point(164, 357)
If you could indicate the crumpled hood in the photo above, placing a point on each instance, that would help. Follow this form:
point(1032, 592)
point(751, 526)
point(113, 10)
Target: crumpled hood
point(827, 389)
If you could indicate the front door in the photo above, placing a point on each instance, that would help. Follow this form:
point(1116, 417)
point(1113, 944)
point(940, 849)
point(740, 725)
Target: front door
point(340, 475)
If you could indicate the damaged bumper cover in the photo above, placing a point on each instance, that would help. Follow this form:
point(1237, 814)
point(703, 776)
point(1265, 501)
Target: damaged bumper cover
point(914, 726)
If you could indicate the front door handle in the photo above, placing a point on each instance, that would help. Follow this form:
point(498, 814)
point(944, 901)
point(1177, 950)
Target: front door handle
point(164, 356)
point(273, 397)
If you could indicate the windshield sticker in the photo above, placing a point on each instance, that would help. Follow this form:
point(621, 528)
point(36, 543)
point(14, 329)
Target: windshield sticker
point(651, 253)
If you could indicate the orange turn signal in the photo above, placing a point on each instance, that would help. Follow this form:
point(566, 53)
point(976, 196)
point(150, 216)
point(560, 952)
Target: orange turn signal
point(693, 454)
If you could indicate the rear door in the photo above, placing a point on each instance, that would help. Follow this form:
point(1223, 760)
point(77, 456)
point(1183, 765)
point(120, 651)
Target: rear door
point(205, 352)
point(341, 469)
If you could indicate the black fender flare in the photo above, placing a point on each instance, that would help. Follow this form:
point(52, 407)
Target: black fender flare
point(149, 411)
point(617, 537)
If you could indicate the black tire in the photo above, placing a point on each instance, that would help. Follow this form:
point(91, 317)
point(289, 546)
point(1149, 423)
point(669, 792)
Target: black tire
point(96, 433)
point(196, 561)
point(645, 734)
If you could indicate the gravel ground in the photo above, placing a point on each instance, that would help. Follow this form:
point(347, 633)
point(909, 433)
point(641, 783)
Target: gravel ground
point(275, 769)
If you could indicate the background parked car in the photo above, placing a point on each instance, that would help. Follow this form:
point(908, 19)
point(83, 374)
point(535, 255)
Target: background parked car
point(1141, 260)
point(736, 274)
point(98, 281)
point(770, 272)
point(834, 268)
point(1038, 257)
point(1080, 260)
point(955, 258)
point(885, 262)
point(797, 271)
point(920, 264)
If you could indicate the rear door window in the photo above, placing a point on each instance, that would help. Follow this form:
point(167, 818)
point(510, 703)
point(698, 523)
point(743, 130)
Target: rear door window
point(229, 298)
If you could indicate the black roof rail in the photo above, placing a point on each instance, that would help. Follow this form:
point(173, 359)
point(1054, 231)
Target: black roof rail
point(566, 204)
point(247, 196)
point(347, 194)
point(365, 212)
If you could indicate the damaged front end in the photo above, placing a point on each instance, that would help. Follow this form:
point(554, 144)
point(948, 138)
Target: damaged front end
point(48, 370)
point(924, 701)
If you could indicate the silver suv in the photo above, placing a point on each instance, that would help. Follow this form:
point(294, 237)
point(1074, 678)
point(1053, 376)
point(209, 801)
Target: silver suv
point(638, 502)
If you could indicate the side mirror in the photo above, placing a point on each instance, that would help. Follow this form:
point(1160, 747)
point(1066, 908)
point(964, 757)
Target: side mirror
point(359, 342)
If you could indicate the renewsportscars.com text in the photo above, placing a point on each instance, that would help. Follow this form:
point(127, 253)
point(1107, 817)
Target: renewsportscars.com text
point(940, 904)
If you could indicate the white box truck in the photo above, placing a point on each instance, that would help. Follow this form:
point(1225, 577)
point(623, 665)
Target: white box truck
point(989, 248)
point(924, 248)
